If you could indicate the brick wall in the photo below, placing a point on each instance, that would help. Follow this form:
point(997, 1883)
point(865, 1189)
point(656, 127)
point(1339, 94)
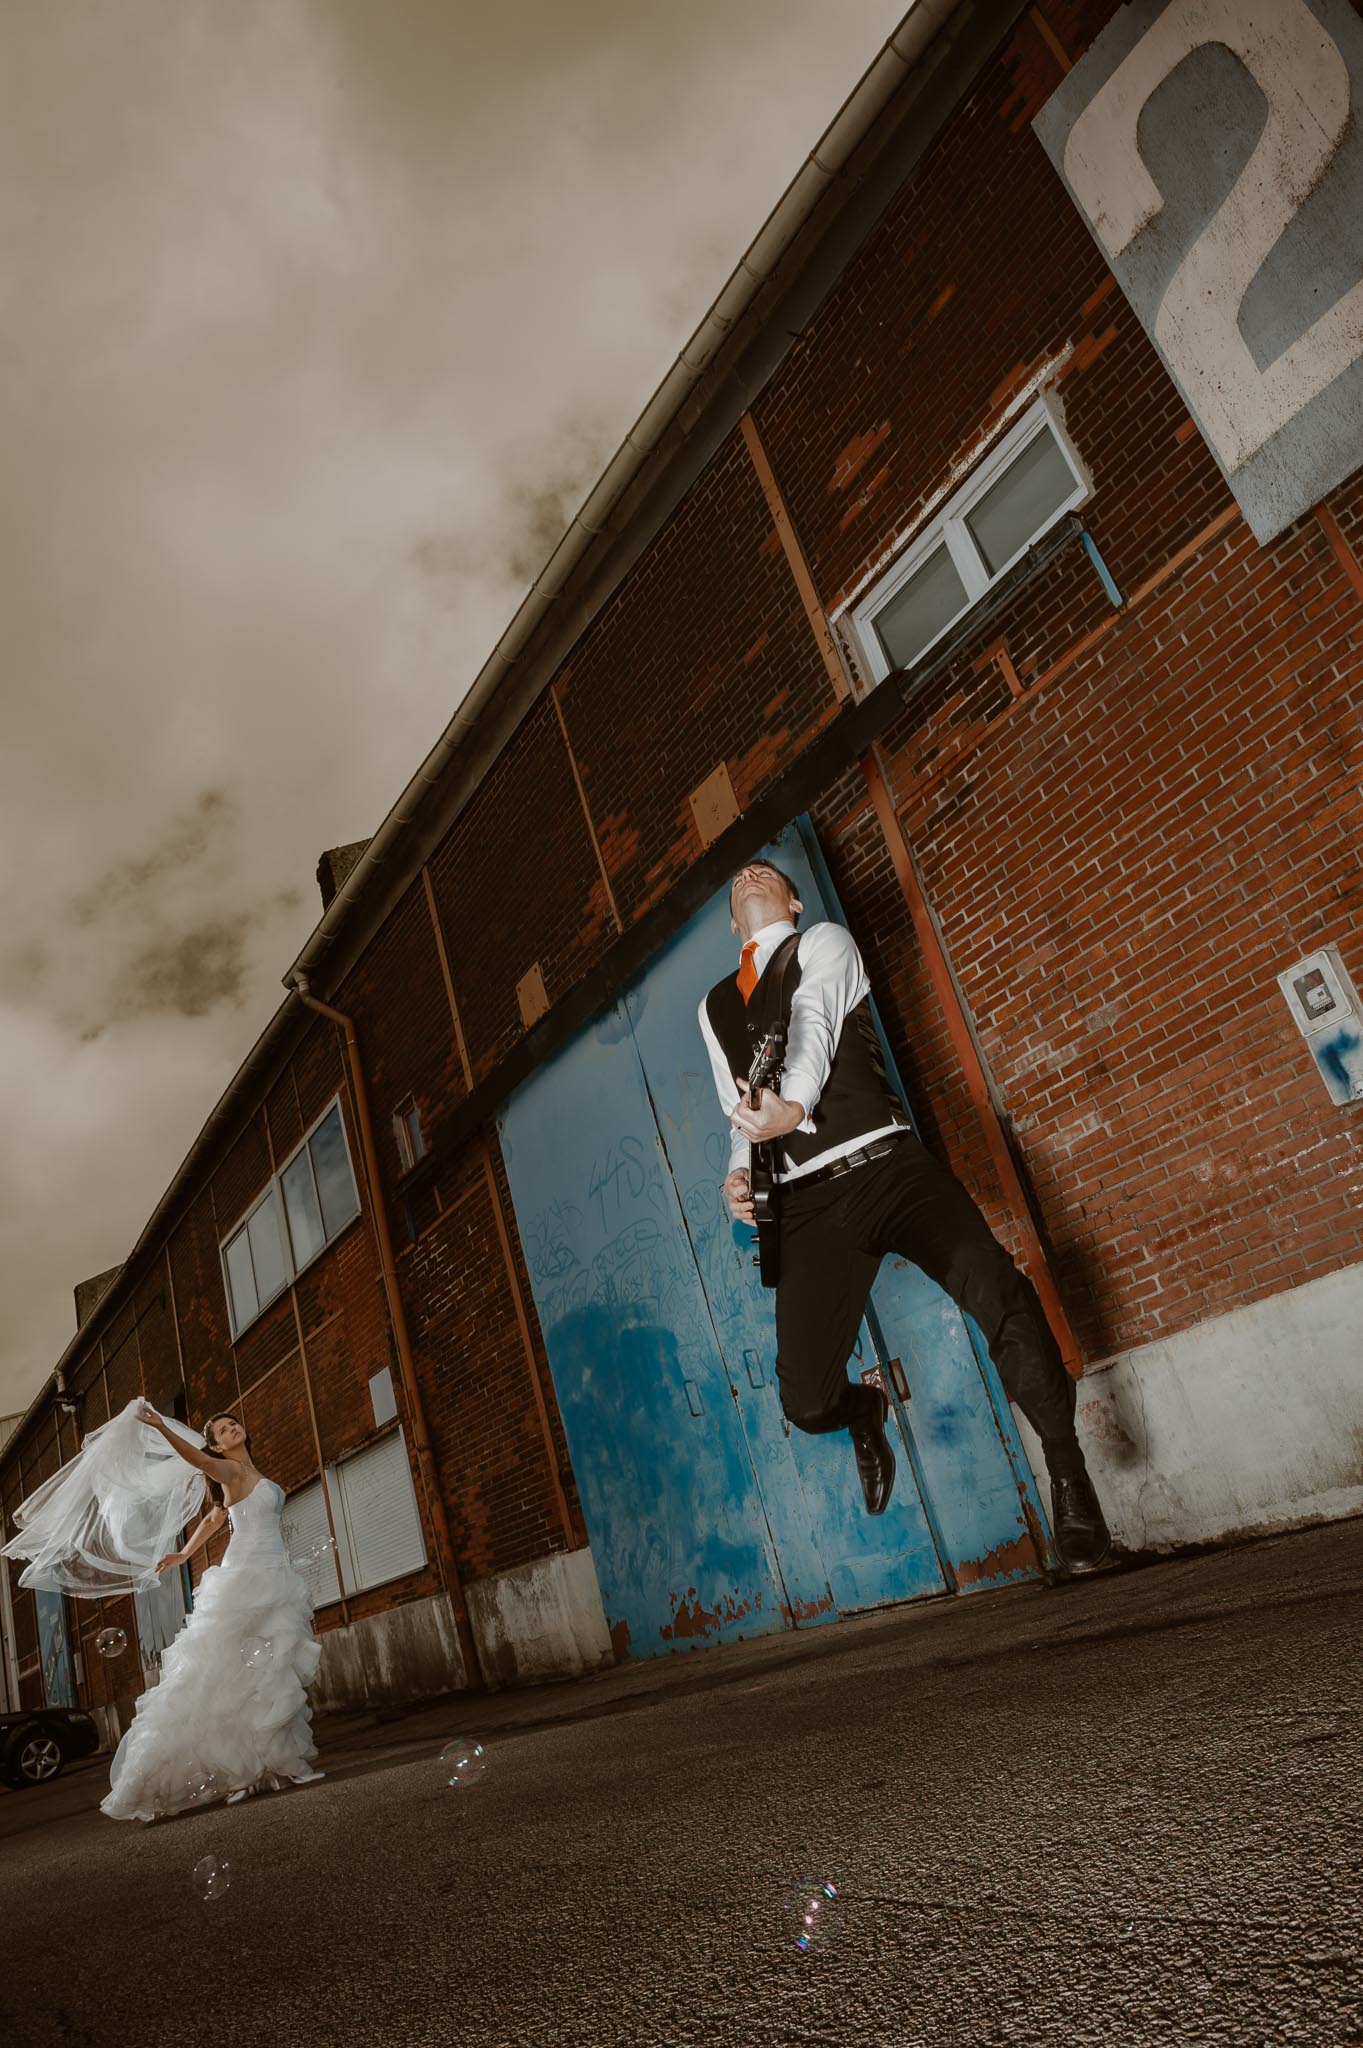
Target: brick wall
point(477, 1375)
point(705, 656)
point(513, 888)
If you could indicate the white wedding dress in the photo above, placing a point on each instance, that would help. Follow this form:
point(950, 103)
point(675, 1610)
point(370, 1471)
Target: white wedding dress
point(226, 1709)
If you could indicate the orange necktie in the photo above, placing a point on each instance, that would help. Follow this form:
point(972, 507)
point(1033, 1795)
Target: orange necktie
point(747, 973)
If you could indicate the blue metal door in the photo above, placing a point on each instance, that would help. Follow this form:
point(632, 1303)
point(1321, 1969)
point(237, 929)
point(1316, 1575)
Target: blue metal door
point(974, 1476)
point(709, 1517)
point(809, 1484)
point(680, 1543)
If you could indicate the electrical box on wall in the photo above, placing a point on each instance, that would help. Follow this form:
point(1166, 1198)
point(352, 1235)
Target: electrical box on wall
point(1326, 1010)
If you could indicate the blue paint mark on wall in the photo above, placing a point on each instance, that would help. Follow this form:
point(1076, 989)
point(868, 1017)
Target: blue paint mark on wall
point(54, 1648)
point(1339, 1055)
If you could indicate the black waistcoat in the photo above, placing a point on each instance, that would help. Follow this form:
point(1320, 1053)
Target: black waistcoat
point(857, 1096)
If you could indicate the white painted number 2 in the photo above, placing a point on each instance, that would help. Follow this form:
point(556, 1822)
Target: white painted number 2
point(1306, 81)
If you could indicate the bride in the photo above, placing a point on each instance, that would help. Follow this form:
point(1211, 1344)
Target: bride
point(229, 1715)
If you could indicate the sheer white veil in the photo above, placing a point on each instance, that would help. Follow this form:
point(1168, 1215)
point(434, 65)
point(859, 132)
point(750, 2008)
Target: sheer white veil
point(98, 1525)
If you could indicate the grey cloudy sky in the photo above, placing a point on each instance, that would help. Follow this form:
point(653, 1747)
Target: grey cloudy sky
point(319, 319)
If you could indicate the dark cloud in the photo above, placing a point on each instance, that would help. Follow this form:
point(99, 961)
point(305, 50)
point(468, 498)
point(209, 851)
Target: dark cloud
point(186, 974)
point(526, 518)
point(195, 839)
point(162, 945)
point(538, 513)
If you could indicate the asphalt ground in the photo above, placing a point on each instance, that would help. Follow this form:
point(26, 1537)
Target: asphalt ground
point(1120, 1811)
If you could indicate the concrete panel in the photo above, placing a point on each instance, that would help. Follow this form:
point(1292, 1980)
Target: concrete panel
point(408, 1653)
point(113, 1721)
point(542, 1620)
point(1248, 1422)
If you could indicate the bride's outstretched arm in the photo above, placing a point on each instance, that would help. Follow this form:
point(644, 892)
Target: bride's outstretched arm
point(212, 1521)
point(191, 1453)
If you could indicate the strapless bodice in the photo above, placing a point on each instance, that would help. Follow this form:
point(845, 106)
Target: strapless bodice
point(255, 1522)
point(239, 1507)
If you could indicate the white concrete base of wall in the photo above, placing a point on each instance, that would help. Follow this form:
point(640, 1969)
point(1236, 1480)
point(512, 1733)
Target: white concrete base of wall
point(1249, 1422)
point(112, 1723)
point(542, 1620)
point(410, 1652)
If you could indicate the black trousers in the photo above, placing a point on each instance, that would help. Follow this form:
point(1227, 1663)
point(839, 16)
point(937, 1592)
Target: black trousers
point(833, 1238)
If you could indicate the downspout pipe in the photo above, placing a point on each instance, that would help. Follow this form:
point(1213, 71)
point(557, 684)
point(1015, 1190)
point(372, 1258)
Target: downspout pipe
point(449, 1570)
point(9, 1654)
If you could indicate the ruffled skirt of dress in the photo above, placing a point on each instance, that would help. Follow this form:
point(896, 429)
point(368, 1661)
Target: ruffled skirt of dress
point(211, 1713)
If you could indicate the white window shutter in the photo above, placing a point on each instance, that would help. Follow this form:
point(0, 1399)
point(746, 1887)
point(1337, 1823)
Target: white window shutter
point(381, 1514)
point(304, 1524)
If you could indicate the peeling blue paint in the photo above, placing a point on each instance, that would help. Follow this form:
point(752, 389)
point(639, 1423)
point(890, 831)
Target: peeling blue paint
point(668, 1494)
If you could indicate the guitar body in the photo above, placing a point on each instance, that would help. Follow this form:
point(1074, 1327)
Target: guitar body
point(766, 1194)
point(766, 1201)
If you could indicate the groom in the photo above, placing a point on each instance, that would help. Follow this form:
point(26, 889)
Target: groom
point(856, 1184)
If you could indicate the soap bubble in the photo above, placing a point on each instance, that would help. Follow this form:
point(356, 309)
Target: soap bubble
point(810, 1911)
point(314, 1556)
point(463, 1761)
point(256, 1652)
point(202, 1785)
point(111, 1642)
point(212, 1877)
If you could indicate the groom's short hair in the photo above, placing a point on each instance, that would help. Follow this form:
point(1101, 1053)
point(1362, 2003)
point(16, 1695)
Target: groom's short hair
point(771, 868)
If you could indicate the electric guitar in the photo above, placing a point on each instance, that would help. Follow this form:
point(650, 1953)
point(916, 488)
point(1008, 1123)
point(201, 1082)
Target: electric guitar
point(765, 1071)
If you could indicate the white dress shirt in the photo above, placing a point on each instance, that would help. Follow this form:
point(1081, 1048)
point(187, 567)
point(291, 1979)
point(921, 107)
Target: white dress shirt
point(833, 981)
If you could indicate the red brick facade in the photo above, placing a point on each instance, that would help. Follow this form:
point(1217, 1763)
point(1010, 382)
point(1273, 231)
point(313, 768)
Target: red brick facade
point(1125, 823)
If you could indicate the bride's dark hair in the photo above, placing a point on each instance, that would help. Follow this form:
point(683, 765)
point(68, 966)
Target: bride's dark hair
point(215, 1492)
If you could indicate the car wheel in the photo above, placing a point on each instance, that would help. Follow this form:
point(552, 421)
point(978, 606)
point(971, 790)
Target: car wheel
point(32, 1759)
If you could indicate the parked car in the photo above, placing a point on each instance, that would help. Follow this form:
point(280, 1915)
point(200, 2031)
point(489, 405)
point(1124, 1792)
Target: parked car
point(38, 1742)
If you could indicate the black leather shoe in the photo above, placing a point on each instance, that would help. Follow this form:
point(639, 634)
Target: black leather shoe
point(875, 1459)
point(1081, 1534)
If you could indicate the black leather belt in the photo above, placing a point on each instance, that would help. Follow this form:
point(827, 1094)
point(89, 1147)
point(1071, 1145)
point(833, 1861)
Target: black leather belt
point(846, 1164)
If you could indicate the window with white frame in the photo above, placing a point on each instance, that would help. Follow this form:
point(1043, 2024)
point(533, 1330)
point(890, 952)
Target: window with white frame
point(375, 1518)
point(309, 1202)
point(407, 1131)
point(1031, 478)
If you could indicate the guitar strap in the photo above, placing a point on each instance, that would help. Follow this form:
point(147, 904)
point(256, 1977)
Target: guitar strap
point(776, 1009)
point(779, 964)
